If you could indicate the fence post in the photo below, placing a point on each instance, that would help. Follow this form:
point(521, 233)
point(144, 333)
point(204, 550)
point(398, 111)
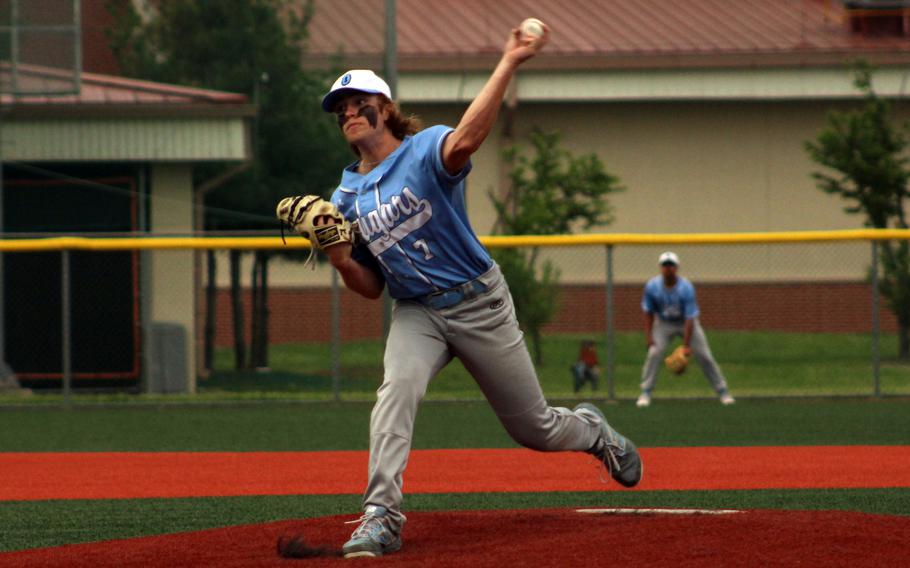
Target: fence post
point(876, 325)
point(66, 328)
point(2, 278)
point(2, 230)
point(336, 337)
point(611, 366)
point(145, 282)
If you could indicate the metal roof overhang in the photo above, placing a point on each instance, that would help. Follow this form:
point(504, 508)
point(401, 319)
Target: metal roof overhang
point(629, 85)
point(95, 110)
point(785, 75)
point(126, 132)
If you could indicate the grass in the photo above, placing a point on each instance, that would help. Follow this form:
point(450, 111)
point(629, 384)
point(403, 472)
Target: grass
point(273, 426)
point(52, 523)
point(755, 363)
point(345, 426)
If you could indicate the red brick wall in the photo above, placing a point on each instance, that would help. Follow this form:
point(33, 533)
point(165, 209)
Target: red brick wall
point(304, 314)
point(836, 307)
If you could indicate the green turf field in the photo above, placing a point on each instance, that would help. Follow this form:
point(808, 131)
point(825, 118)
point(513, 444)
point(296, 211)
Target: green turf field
point(50, 523)
point(344, 426)
point(755, 363)
point(268, 426)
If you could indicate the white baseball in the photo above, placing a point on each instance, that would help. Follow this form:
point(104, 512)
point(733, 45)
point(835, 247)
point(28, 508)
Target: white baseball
point(531, 27)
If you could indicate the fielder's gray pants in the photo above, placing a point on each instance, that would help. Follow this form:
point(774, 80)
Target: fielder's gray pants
point(483, 333)
point(662, 333)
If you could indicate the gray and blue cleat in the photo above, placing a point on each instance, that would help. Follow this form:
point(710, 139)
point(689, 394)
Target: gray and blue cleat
point(618, 453)
point(373, 537)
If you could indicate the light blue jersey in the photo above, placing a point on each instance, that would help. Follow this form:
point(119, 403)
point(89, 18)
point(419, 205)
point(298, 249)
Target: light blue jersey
point(672, 305)
point(412, 216)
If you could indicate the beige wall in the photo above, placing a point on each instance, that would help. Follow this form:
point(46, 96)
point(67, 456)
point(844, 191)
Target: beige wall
point(687, 167)
point(691, 167)
point(172, 297)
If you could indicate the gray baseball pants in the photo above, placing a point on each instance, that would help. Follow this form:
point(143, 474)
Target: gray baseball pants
point(483, 333)
point(662, 333)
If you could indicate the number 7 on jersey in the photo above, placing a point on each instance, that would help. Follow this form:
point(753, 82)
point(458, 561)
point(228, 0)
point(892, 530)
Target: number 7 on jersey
point(422, 246)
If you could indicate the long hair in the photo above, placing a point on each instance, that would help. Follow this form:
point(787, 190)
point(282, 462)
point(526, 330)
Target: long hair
point(400, 124)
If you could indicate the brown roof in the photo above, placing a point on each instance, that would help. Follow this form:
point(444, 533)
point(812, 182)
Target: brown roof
point(109, 93)
point(446, 34)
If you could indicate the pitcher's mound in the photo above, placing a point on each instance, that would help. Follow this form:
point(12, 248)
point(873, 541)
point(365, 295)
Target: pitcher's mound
point(613, 537)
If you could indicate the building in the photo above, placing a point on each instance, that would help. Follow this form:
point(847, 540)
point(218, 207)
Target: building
point(700, 107)
point(116, 157)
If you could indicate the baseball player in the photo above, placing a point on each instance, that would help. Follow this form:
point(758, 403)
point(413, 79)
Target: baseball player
point(671, 310)
point(406, 194)
point(587, 368)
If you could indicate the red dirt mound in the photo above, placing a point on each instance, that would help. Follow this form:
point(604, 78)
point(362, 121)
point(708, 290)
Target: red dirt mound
point(539, 538)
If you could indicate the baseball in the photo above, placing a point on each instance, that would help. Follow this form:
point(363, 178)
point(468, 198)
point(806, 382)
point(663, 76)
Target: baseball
point(532, 28)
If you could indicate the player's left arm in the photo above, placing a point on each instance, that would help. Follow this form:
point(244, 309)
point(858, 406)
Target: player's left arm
point(355, 275)
point(687, 334)
point(478, 120)
point(691, 311)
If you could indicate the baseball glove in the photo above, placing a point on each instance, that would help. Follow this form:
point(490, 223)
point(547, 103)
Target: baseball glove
point(677, 361)
point(316, 219)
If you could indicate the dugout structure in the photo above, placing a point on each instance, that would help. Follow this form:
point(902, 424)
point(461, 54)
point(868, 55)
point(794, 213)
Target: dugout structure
point(115, 157)
point(40, 55)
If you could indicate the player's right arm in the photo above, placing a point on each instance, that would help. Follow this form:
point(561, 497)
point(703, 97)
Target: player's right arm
point(480, 116)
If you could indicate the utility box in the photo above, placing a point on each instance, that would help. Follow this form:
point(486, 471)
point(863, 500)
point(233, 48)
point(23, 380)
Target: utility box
point(167, 358)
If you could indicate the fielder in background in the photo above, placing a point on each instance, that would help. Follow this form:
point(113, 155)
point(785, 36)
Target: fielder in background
point(671, 310)
point(587, 368)
point(398, 220)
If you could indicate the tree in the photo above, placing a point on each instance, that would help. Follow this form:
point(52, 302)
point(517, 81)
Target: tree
point(868, 150)
point(251, 47)
point(551, 193)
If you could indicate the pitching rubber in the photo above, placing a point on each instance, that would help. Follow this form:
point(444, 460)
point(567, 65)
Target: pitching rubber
point(361, 554)
point(654, 511)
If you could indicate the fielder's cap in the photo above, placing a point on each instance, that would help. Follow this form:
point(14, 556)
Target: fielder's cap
point(355, 80)
point(668, 258)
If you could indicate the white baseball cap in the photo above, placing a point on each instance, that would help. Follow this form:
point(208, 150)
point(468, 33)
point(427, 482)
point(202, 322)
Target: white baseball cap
point(668, 257)
point(355, 80)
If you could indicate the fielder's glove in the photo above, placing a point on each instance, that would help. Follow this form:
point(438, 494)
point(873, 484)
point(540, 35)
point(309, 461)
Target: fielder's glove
point(317, 220)
point(677, 361)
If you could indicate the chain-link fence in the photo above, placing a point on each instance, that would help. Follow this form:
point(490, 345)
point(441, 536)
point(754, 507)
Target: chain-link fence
point(40, 49)
point(782, 319)
point(153, 315)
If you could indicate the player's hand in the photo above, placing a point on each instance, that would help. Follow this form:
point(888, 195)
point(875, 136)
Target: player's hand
point(519, 49)
point(339, 254)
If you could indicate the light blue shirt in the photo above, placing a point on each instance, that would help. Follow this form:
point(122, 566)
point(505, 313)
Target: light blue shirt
point(412, 216)
point(672, 305)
